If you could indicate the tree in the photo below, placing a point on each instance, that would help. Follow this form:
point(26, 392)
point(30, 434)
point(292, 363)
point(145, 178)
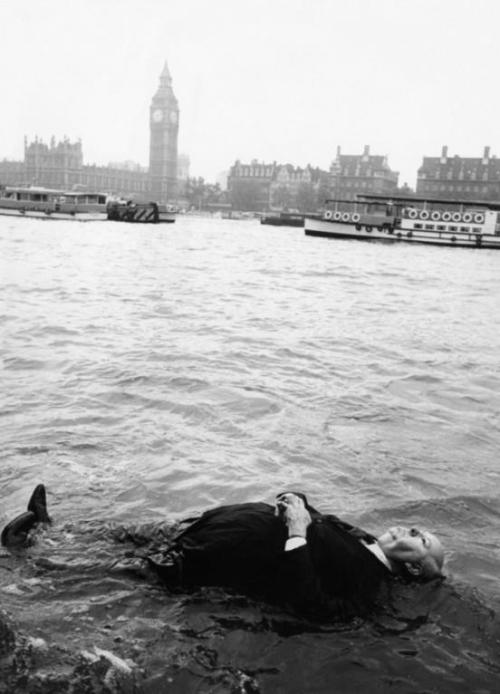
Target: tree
point(324, 190)
point(247, 195)
point(306, 198)
point(281, 197)
point(195, 192)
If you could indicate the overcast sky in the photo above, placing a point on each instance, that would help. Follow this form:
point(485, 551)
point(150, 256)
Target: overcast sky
point(284, 80)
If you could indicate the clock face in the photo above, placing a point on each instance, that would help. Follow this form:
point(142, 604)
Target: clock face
point(157, 115)
point(173, 117)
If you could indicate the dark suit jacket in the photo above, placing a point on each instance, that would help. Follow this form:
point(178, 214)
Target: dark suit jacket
point(241, 546)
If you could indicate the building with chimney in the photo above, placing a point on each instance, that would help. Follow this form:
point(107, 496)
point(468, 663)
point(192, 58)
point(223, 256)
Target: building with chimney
point(297, 188)
point(248, 185)
point(355, 174)
point(262, 187)
point(460, 178)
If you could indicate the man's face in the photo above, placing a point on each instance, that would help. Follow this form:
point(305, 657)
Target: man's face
point(411, 545)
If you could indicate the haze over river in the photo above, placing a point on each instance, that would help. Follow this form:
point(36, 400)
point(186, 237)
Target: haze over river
point(150, 372)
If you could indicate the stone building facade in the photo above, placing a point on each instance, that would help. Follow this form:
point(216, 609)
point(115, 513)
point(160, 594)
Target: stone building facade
point(248, 185)
point(355, 174)
point(164, 128)
point(262, 187)
point(463, 178)
point(54, 165)
point(60, 164)
point(12, 172)
point(298, 188)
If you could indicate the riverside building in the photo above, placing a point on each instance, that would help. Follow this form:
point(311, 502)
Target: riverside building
point(463, 178)
point(262, 187)
point(357, 174)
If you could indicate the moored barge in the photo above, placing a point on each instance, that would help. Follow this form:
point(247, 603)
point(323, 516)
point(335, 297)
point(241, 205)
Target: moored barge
point(289, 219)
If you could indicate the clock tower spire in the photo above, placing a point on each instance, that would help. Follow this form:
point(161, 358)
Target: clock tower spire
point(164, 128)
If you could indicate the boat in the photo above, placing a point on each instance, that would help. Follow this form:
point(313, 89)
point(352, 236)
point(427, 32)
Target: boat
point(289, 219)
point(140, 212)
point(371, 217)
point(236, 214)
point(47, 203)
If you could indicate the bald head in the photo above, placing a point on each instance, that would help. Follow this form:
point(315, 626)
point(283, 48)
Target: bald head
point(419, 551)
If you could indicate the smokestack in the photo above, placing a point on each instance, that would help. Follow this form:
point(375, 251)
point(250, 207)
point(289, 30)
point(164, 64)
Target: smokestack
point(486, 155)
point(444, 154)
point(366, 152)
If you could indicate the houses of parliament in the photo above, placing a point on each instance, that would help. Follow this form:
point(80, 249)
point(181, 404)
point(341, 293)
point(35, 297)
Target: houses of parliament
point(60, 164)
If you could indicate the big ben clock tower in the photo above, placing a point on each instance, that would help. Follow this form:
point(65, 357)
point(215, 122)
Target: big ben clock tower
point(164, 127)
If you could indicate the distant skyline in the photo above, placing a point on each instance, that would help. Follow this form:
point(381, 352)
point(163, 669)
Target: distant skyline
point(284, 80)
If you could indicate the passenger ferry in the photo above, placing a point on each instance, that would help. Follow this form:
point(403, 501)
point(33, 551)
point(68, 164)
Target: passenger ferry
point(45, 203)
point(459, 223)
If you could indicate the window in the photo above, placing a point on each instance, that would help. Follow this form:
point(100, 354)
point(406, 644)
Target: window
point(429, 227)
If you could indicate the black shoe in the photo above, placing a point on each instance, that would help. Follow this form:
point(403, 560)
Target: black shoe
point(16, 532)
point(38, 505)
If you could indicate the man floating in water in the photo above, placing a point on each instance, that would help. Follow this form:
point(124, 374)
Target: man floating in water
point(289, 554)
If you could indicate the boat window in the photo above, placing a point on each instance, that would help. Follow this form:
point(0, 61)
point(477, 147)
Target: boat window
point(418, 226)
point(452, 228)
point(467, 229)
point(441, 227)
point(429, 227)
point(476, 230)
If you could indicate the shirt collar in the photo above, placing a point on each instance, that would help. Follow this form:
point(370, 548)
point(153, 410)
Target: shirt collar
point(375, 548)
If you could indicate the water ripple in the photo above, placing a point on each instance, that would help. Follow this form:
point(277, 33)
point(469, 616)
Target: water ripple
point(159, 372)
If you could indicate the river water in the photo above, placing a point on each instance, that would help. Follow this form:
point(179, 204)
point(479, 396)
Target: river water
point(150, 372)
